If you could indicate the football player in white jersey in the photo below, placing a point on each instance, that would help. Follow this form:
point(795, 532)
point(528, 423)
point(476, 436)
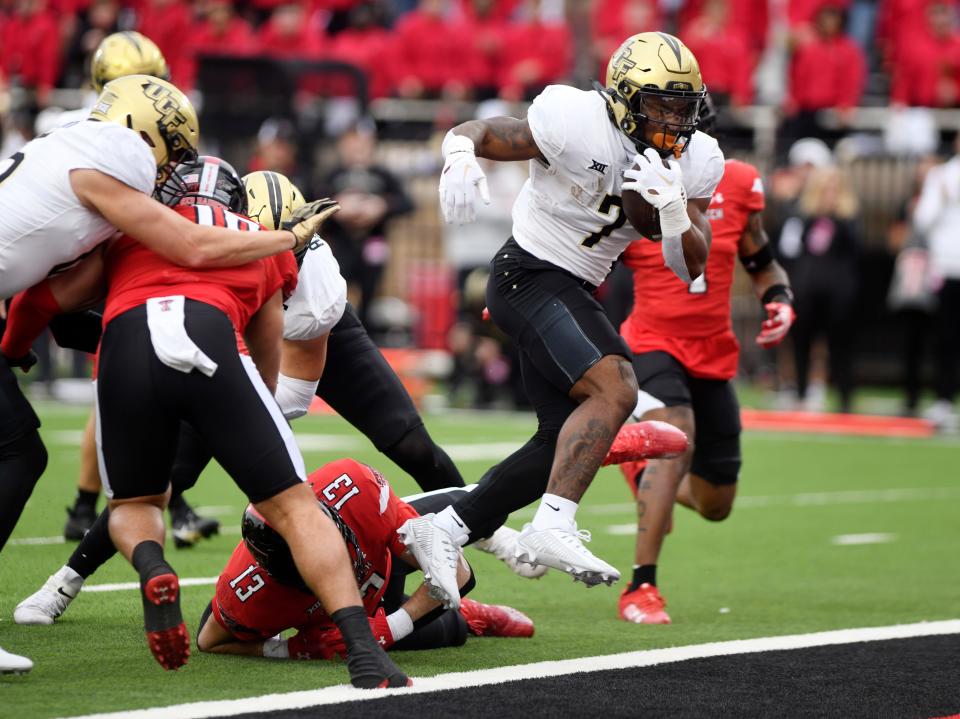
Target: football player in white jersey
point(65, 193)
point(568, 228)
point(118, 55)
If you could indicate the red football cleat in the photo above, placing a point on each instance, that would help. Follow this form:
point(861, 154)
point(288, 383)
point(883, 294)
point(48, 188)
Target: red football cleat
point(646, 440)
point(643, 605)
point(167, 635)
point(495, 620)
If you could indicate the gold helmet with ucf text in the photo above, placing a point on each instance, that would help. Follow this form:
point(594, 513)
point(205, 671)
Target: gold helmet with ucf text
point(271, 198)
point(126, 53)
point(654, 91)
point(157, 111)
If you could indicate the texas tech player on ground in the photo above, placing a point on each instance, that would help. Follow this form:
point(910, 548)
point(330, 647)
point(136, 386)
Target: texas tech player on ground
point(260, 592)
point(568, 229)
point(685, 354)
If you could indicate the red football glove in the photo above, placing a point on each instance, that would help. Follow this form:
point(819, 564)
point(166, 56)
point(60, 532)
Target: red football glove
point(780, 316)
point(381, 629)
point(316, 642)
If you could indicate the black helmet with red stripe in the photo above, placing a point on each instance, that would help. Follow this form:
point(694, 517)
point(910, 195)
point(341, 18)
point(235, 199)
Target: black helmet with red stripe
point(206, 180)
point(272, 552)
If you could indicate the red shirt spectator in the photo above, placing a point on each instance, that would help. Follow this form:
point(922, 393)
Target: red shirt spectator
point(432, 54)
point(751, 18)
point(487, 28)
point(536, 54)
point(616, 20)
point(292, 32)
point(31, 47)
point(494, 9)
point(900, 22)
point(167, 23)
point(221, 33)
point(723, 52)
point(367, 48)
point(829, 70)
point(927, 70)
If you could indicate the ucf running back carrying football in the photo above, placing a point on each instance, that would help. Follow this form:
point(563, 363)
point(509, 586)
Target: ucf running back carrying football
point(568, 228)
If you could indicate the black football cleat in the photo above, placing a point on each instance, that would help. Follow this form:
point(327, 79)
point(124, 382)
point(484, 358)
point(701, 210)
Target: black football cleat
point(79, 521)
point(189, 527)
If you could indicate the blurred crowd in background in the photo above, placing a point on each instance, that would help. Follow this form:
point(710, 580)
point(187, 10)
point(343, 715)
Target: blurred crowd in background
point(846, 106)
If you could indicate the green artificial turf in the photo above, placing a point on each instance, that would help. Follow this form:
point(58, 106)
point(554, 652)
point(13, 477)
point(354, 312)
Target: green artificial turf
point(770, 569)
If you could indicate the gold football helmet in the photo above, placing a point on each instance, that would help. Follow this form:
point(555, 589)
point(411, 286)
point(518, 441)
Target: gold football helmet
point(271, 198)
point(126, 53)
point(155, 109)
point(654, 91)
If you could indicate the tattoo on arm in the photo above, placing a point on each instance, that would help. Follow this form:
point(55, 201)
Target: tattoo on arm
point(580, 458)
point(501, 138)
point(754, 237)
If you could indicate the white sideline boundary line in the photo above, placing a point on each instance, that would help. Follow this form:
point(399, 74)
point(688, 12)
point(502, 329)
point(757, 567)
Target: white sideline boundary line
point(537, 670)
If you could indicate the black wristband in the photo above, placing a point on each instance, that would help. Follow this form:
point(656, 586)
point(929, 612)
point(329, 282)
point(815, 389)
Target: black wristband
point(758, 261)
point(778, 293)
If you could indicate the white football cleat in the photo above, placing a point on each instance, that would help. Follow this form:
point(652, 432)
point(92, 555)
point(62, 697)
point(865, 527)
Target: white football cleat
point(14, 663)
point(437, 554)
point(51, 600)
point(563, 549)
point(503, 545)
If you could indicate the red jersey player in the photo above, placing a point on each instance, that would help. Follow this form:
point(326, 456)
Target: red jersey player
point(685, 354)
point(260, 592)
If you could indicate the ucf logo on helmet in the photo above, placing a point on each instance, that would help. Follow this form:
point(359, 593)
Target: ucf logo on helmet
point(165, 103)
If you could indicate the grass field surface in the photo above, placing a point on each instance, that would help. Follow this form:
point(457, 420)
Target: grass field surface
point(829, 533)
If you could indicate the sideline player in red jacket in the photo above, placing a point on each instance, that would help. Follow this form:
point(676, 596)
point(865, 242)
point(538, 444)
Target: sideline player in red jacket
point(260, 592)
point(685, 354)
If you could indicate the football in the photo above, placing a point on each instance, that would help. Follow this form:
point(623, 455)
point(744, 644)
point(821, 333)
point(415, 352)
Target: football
point(644, 217)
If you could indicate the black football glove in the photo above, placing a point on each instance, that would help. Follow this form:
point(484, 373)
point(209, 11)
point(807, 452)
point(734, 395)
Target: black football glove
point(24, 363)
point(77, 330)
point(305, 222)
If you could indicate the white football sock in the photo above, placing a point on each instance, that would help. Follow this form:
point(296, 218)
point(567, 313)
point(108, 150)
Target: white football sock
point(449, 520)
point(555, 512)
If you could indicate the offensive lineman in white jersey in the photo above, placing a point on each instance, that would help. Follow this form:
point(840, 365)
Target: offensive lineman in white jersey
point(118, 55)
point(568, 229)
point(65, 193)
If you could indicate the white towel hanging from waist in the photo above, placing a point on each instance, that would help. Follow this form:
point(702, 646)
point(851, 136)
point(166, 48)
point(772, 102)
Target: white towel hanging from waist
point(169, 336)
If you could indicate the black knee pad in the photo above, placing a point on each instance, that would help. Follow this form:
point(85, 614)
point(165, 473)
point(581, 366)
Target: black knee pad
point(716, 468)
point(208, 610)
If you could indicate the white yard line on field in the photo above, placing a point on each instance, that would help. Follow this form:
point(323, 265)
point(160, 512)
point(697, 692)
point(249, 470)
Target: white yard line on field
point(127, 586)
point(852, 540)
point(805, 499)
point(537, 670)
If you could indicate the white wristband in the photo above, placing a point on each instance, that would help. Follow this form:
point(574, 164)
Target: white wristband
point(456, 143)
point(400, 623)
point(275, 648)
point(294, 395)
